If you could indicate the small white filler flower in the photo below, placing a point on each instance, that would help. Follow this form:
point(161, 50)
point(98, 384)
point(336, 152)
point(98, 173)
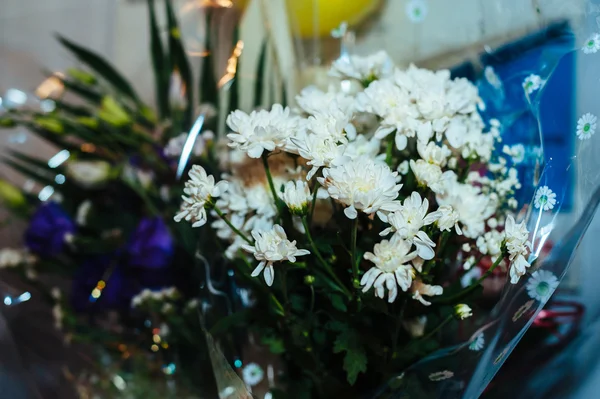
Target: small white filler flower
point(517, 244)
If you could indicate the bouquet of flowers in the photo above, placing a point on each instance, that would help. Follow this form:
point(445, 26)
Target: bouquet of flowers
point(332, 247)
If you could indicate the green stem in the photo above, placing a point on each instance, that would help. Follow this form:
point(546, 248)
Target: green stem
point(389, 153)
point(314, 200)
point(438, 328)
point(353, 250)
point(262, 287)
point(321, 260)
point(235, 229)
point(271, 184)
point(284, 285)
point(476, 284)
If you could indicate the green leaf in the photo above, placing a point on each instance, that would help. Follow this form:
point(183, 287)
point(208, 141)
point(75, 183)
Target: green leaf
point(225, 324)
point(275, 345)
point(161, 73)
point(259, 84)
point(88, 94)
point(30, 172)
point(338, 303)
point(180, 62)
point(208, 91)
point(355, 360)
point(29, 160)
point(102, 67)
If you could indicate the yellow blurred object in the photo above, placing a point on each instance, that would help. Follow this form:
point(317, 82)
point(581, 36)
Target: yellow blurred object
point(11, 195)
point(320, 17)
point(52, 87)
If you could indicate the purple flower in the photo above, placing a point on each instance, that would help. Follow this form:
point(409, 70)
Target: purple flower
point(143, 263)
point(105, 282)
point(151, 245)
point(48, 229)
point(101, 282)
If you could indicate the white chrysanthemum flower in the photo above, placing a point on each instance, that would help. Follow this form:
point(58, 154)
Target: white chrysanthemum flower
point(199, 191)
point(392, 268)
point(592, 44)
point(545, 198)
point(541, 285)
point(419, 289)
point(518, 246)
point(492, 77)
point(362, 146)
point(362, 185)
point(490, 243)
point(416, 10)
point(272, 246)
point(393, 105)
point(430, 175)
point(335, 125)
point(313, 100)
point(532, 83)
point(175, 146)
point(586, 126)
point(296, 196)
point(319, 151)
point(477, 343)
point(365, 69)
point(408, 221)
point(415, 327)
point(261, 130)
point(473, 206)
point(448, 219)
point(434, 154)
point(463, 311)
point(441, 375)
point(252, 374)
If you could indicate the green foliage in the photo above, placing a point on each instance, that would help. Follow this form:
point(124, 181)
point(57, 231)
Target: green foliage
point(101, 67)
point(355, 359)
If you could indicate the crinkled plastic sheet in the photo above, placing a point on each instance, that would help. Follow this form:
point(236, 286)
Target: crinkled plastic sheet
point(460, 371)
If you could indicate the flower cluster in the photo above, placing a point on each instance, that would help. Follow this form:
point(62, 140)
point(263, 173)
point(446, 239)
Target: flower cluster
point(398, 154)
